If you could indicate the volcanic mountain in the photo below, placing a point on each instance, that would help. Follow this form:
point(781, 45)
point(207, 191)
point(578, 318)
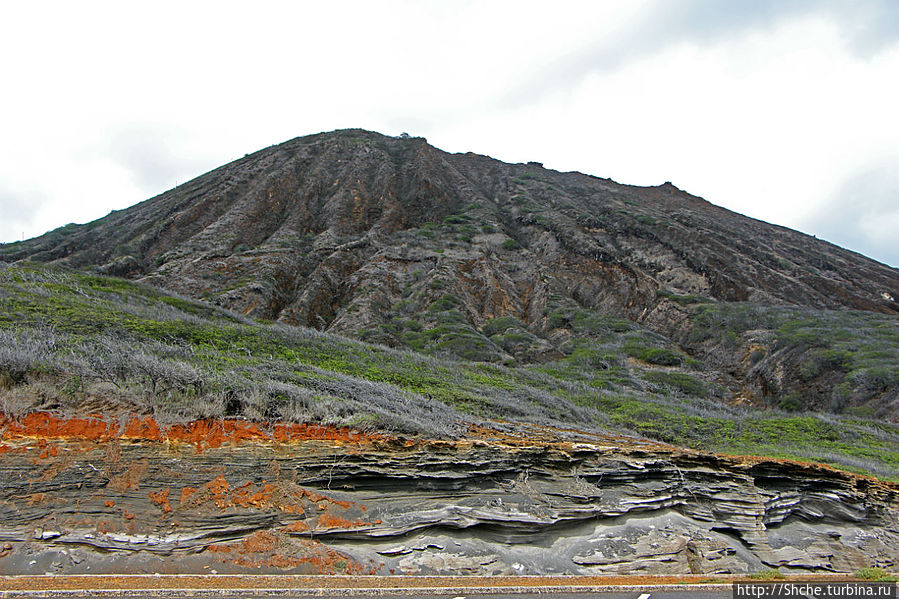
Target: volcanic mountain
point(358, 354)
point(396, 242)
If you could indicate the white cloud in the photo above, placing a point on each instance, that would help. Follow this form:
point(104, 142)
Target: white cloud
point(863, 212)
point(764, 107)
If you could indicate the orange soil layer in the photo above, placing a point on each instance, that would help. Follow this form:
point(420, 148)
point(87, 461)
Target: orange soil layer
point(202, 434)
point(210, 434)
point(265, 496)
point(223, 581)
point(264, 549)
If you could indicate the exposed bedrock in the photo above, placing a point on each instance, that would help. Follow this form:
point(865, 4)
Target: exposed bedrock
point(380, 505)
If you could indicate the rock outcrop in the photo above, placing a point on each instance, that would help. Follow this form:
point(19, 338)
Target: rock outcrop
point(86, 495)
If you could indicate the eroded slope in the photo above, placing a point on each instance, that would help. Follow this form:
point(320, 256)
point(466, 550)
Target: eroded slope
point(79, 344)
point(396, 242)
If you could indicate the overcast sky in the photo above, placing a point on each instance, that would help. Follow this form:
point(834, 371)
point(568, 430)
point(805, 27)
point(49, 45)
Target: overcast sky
point(783, 110)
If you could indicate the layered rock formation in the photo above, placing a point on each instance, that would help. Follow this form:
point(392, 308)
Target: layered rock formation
point(87, 495)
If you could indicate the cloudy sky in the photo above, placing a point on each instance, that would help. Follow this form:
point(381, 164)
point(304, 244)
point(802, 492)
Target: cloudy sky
point(783, 110)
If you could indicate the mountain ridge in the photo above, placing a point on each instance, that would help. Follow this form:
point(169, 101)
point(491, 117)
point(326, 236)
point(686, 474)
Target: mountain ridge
point(46, 247)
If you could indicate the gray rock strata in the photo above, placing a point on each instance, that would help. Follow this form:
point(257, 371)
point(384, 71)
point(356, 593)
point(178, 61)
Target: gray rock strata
point(481, 506)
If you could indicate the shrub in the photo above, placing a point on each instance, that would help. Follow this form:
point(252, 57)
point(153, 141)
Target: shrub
point(501, 324)
point(792, 402)
point(468, 347)
point(645, 219)
point(557, 319)
point(527, 177)
point(444, 302)
point(875, 575)
point(456, 219)
point(683, 300)
point(654, 355)
point(591, 358)
point(682, 383)
point(874, 380)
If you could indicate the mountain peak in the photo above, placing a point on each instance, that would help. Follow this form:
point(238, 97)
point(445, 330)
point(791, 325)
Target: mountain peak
point(330, 189)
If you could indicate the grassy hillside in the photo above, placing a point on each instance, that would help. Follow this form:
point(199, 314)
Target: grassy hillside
point(833, 360)
point(77, 343)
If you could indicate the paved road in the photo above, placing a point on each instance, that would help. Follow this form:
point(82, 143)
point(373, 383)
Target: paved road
point(223, 594)
point(703, 594)
point(609, 595)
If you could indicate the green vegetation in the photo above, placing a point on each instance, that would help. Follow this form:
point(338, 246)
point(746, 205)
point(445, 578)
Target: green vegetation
point(855, 444)
point(646, 219)
point(501, 325)
point(69, 340)
point(654, 355)
point(445, 302)
point(768, 575)
point(457, 219)
point(589, 323)
point(875, 575)
point(527, 177)
point(678, 382)
point(684, 300)
point(855, 354)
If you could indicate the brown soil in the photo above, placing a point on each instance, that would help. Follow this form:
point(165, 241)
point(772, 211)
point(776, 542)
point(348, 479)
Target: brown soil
point(271, 549)
point(161, 498)
point(70, 583)
point(208, 434)
point(202, 434)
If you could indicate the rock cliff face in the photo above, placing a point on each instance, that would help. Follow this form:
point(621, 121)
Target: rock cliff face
point(86, 495)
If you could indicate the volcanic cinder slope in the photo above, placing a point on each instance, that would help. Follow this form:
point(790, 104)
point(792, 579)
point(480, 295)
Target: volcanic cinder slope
point(491, 327)
point(358, 233)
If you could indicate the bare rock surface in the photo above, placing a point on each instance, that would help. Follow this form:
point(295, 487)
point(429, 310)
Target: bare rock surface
point(487, 504)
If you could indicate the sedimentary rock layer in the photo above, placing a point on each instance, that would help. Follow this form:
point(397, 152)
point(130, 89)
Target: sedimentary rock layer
point(88, 495)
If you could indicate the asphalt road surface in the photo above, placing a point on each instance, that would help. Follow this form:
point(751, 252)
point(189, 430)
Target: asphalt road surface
point(686, 594)
point(551, 595)
point(224, 594)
